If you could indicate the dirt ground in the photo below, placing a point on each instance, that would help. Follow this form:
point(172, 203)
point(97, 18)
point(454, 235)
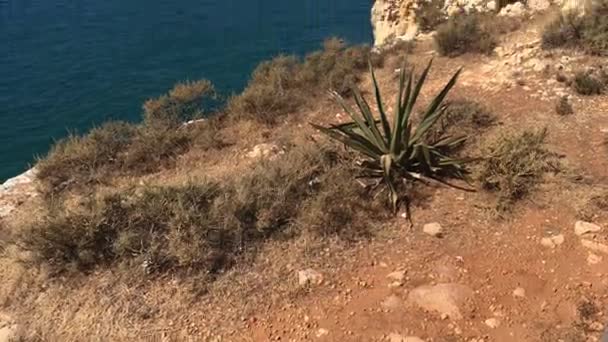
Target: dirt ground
point(528, 276)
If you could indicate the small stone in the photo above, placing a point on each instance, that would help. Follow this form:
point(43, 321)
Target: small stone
point(595, 246)
point(519, 292)
point(391, 302)
point(582, 227)
point(394, 337)
point(493, 323)
point(397, 275)
point(309, 277)
point(322, 332)
point(547, 242)
point(395, 285)
point(594, 259)
point(442, 298)
point(558, 239)
point(433, 229)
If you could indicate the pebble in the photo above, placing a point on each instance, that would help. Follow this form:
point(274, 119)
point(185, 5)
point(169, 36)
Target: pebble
point(493, 323)
point(582, 228)
point(433, 229)
point(519, 292)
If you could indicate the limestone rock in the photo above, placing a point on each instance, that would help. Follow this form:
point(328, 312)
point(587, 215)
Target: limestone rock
point(519, 292)
point(492, 323)
point(582, 228)
point(445, 299)
point(396, 276)
point(594, 259)
point(393, 337)
point(513, 10)
point(309, 277)
point(553, 241)
point(578, 7)
point(595, 246)
point(391, 302)
point(538, 5)
point(433, 229)
point(392, 19)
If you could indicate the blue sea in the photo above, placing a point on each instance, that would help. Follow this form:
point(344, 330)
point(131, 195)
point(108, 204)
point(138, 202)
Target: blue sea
point(67, 65)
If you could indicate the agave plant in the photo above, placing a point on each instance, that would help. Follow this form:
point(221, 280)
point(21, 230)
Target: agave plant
point(399, 151)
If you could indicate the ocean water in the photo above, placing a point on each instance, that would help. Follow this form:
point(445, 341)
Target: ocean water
point(67, 65)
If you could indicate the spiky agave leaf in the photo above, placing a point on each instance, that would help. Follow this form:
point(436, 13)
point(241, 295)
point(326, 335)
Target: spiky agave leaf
point(399, 151)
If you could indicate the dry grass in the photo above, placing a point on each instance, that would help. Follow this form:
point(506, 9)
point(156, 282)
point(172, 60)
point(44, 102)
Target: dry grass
point(463, 34)
point(118, 148)
point(514, 165)
point(594, 205)
point(204, 225)
point(281, 86)
point(585, 83)
point(563, 106)
point(463, 118)
point(588, 32)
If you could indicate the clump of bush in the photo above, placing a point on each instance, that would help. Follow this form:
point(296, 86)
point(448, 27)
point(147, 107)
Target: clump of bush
point(462, 117)
point(204, 225)
point(585, 83)
point(515, 165)
point(282, 85)
point(430, 14)
point(462, 34)
point(594, 205)
point(117, 147)
point(563, 106)
point(588, 32)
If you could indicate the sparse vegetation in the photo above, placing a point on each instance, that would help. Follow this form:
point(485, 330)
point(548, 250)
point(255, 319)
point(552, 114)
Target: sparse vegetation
point(204, 225)
point(563, 106)
point(514, 165)
point(430, 14)
point(280, 86)
point(119, 147)
point(462, 34)
point(585, 83)
point(593, 205)
point(398, 152)
point(588, 32)
point(462, 117)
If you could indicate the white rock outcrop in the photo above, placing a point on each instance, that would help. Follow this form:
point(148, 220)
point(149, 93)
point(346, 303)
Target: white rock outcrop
point(393, 20)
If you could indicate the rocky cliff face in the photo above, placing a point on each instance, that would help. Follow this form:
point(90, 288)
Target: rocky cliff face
point(394, 19)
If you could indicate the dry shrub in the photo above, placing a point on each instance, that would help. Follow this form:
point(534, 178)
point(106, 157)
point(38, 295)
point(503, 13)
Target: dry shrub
point(272, 91)
point(593, 205)
point(204, 226)
point(463, 118)
point(514, 165)
point(462, 34)
point(182, 103)
point(563, 106)
point(85, 159)
point(430, 14)
point(588, 32)
point(282, 85)
point(585, 83)
point(117, 148)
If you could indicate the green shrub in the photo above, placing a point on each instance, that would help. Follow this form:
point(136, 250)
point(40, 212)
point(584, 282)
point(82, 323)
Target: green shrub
point(563, 106)
point(284, 84)
point(462, 34)
point(399, 152)
point(585, 83)
point(514, 166)
point(588, 32)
